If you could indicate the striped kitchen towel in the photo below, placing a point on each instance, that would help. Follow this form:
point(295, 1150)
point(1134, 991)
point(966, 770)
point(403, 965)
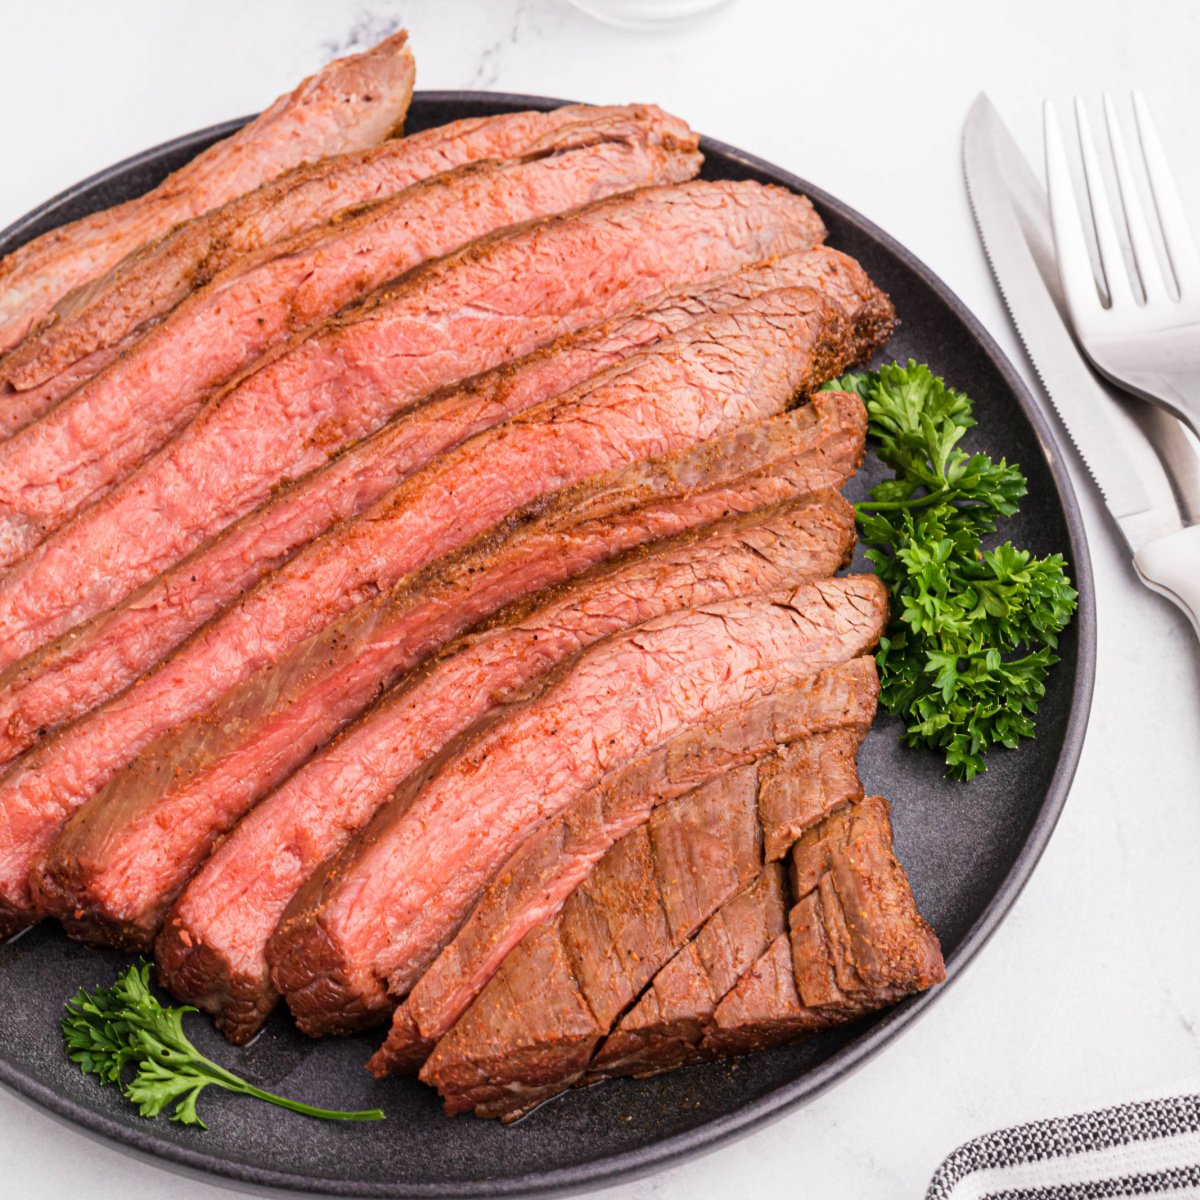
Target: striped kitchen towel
point(1150, 1148)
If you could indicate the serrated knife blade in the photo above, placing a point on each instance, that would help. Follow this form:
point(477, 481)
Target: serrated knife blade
point(1013, 219)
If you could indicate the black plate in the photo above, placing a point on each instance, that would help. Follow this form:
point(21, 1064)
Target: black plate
point(968, 848)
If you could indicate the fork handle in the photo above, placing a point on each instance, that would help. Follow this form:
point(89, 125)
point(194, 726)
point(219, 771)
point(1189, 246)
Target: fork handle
point(1171, 566)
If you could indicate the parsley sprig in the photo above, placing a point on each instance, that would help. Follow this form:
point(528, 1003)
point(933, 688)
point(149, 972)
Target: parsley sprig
point(124, 1026)
point(973, 631)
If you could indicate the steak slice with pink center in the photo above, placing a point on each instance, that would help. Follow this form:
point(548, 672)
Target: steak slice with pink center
point(351, 102)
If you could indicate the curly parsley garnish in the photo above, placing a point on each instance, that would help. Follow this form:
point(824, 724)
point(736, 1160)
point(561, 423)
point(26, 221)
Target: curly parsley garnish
point(124, 1026)
point(973, 631)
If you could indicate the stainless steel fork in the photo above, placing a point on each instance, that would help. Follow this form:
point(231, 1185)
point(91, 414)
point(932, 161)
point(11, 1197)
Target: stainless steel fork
point(1147, 344)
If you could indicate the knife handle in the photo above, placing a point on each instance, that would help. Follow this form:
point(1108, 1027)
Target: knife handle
point(1171, 566)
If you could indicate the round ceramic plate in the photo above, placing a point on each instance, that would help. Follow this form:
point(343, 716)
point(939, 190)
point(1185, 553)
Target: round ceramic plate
point(968, 849)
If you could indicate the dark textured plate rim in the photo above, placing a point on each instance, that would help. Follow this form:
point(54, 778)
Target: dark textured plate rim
point(622, 1167)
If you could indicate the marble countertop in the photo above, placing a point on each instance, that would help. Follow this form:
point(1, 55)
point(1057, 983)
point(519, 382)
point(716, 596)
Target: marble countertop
point(1090, 991)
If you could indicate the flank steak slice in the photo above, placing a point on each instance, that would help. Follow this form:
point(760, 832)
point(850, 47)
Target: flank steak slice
point(350, 103)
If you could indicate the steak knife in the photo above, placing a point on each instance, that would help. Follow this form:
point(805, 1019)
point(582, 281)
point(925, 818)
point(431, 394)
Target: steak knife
point(1013, 219)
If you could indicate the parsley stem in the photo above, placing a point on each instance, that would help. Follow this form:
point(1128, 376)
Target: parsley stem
point(235, 1083)
point(941, 496)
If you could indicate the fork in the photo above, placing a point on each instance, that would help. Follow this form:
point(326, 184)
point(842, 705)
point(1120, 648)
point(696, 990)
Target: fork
point(1147, 344)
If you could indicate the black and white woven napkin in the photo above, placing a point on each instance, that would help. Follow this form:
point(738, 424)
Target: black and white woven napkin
point(1145, 1149)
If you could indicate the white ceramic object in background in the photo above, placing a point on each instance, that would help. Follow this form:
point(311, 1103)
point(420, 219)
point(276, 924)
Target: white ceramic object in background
point(646, 14)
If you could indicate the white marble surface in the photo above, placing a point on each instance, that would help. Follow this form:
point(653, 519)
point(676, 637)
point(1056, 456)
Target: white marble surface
point(1091, 990)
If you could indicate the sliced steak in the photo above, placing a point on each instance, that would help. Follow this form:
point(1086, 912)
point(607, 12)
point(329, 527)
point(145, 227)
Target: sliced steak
point(652, 890)
point(101, 657)
point(491, 302)
point(351, 103)
point(96, 435)
point(530, 888)
point(376, 915)
point(665, 1027)
point(94, 322)
point(212, 948)
point(856, 941)
point(550, 540)
point(509, 1052)
point(736, 366)
point(674, 1023)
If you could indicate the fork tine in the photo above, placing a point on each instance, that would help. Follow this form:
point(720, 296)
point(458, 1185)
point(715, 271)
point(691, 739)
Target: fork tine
point(1070, 247)
point(1144, 255)
point(1113, 261)
point(1181, 244)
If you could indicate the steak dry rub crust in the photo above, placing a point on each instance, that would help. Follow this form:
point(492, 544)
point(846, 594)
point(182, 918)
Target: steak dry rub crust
point(531, 887)
point(665, 1028)
point(818, 445)
point(94, 323)
point(104, 655)
point(497, 299)
point(854, 943)
point(120, 862)
point(112, 422)
point(350, 103)
point(212, 948)
point(857, 942)
point(532, 1029)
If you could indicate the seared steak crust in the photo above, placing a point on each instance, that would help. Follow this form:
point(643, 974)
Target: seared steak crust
point(665, 1027)
point(854, 943)
point(646, 897)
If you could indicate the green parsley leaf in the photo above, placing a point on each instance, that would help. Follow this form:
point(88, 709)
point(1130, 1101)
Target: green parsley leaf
point(124, 1026)
point(973, 631)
